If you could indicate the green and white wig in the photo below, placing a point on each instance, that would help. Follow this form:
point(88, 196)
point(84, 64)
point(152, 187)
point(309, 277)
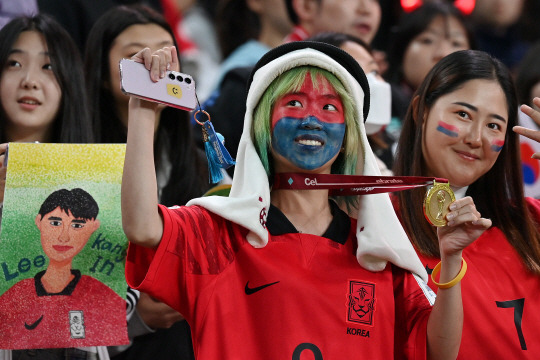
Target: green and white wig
point(380, 237)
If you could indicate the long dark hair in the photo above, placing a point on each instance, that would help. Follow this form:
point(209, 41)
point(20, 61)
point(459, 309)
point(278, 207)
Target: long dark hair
point(498, 194)
point(189, 174)
point(414, 23)
point(105, 119)
point(72, 123)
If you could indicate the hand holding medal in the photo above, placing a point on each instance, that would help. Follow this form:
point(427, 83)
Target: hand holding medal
point(437, 201)
point(465, 224)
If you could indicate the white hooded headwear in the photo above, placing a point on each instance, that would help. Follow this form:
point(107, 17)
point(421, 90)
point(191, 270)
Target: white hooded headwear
point(380, 235)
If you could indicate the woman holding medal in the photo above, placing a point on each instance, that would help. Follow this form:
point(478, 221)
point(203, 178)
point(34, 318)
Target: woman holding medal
point(267, 260)
point(459, 127)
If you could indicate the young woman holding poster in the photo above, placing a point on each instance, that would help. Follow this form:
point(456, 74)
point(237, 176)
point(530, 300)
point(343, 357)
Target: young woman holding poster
point(42, 98)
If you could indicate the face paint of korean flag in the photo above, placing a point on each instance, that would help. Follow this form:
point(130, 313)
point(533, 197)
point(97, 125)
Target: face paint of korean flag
point(308, 127)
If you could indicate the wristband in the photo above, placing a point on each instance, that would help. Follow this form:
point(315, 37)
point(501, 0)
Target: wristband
point(452, 282)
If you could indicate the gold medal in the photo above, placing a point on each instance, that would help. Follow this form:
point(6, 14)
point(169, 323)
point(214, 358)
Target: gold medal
point(438, 199)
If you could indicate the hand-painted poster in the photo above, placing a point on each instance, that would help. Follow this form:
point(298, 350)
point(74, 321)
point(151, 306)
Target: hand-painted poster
point(62, 248)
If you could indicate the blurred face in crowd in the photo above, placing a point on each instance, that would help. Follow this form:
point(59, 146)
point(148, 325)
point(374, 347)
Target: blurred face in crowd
point(465, 131)
point(442, 37)
point(381, 98)
point(362, 56)
point(360, 18)
point(499, 13)
point(29, 91)
point(273, 16)
point(128, 43)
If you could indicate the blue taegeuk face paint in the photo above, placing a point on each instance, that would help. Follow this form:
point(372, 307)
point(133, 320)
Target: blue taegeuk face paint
point(307, 143)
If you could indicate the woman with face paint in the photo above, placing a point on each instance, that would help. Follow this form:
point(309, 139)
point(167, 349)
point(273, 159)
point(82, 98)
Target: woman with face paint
point(459, 127)
point(335, 278)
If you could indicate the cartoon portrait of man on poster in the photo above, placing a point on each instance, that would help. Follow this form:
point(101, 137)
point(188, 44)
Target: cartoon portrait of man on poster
point(60, 305)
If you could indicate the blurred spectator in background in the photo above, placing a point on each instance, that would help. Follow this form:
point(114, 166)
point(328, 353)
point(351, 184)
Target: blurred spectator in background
point(528, 87)
point(528, 76)
point(78, 16)
point(198, 26)
point(421, 38)
point(247, 29)
point(391, 11)
point(506, 28)
point(360, 18)
point(194, 29)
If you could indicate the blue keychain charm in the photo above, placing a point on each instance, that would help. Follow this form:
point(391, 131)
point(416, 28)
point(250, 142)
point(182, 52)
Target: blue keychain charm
point(216, 153)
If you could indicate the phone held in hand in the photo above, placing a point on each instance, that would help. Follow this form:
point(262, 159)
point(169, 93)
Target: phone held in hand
point(175, 89)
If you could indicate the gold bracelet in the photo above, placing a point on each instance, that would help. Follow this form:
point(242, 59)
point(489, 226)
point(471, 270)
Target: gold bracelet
point(452, 282)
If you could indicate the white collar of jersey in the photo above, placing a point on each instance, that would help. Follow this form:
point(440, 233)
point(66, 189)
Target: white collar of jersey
point(380, 235)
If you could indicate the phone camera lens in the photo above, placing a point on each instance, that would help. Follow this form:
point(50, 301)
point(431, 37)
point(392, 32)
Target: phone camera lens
point(179, 78)
point(188, 81)
point(171, 76)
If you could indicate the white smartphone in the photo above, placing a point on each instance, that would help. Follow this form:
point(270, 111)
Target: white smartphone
point(175, 89)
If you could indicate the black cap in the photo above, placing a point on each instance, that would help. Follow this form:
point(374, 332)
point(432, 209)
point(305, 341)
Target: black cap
point(341, 56)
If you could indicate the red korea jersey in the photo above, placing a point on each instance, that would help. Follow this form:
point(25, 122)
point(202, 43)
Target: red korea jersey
point(32, 318)
point(501, 300)
point(300, 297)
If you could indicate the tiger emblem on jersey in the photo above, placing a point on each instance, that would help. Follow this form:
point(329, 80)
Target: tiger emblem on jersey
point(361, 302)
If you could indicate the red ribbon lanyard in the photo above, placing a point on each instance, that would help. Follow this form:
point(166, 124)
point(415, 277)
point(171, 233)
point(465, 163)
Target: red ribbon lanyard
point(346, 185)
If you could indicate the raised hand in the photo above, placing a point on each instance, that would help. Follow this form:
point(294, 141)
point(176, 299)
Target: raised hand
point(465, 224)
point(159, 61)
point(530, 133)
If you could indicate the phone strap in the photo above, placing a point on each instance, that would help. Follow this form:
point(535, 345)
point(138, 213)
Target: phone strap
point(216, 153)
